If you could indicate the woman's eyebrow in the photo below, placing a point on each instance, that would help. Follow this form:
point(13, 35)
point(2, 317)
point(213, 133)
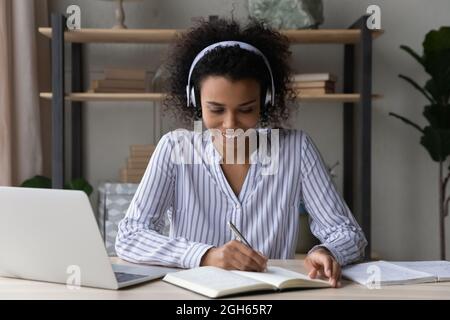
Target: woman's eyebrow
point(221, 104)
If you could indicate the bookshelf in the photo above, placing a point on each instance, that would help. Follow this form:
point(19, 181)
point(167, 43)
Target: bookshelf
point(356, 97)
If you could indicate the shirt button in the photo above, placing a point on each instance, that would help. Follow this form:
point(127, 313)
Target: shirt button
point(238, 206)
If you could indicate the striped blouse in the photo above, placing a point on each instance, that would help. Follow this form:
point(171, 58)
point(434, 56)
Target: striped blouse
point(198, 201)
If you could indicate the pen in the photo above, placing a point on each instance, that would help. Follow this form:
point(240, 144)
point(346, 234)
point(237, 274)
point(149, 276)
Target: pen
point(238, 234)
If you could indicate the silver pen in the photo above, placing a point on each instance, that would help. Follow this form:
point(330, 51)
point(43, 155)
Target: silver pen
point(238, 234)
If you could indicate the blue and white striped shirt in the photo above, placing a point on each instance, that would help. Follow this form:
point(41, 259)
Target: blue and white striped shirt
point(199, 201)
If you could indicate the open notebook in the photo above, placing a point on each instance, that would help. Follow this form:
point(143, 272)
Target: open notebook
point(397, 272)
point(215, 282)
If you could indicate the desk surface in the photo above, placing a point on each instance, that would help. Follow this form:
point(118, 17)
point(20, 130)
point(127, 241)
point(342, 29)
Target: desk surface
point(157, 289)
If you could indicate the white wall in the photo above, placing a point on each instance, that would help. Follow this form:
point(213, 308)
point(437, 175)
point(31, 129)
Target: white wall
point(404, 189)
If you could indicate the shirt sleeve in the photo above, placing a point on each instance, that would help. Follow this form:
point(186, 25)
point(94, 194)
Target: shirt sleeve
point(330, 218)
point(139, 238)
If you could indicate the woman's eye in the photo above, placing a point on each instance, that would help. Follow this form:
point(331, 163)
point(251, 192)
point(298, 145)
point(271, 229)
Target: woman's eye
point(221, 110)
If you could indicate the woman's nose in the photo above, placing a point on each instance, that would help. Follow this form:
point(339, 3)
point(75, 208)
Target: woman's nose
point(230, 121)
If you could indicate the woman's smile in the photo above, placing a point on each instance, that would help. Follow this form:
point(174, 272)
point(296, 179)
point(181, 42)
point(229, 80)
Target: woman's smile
point(232, 135)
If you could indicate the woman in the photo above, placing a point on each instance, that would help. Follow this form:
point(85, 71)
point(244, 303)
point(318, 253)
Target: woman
point(235, 80)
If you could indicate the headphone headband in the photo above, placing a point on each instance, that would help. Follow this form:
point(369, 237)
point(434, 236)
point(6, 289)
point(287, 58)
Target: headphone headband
point(242, 45)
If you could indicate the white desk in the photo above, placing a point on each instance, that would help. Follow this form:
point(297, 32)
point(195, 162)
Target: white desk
point(157, 289)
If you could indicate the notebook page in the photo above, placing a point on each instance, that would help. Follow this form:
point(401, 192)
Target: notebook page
point(213, 281)
point(276, 276)
point(385, 273)
point(440, 269)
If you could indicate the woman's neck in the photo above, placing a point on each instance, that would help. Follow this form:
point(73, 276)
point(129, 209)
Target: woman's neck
point(234, 150)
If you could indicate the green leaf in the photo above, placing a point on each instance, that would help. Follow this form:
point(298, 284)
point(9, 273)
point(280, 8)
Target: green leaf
point(79, 184)
point(422, 90)
point(438, 116)
point(438, 66)
point(412, 53)
point(44, 182)
point(437, 143)
point(437, 40)
point(433, 90)
point(37, 182)
point(436, 60)
point(407, 121)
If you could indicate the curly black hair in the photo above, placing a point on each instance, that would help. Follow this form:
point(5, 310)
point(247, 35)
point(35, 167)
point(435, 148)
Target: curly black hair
point(233, 62)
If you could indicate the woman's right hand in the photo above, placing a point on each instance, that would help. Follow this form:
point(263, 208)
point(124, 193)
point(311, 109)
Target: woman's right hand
point(234, 255)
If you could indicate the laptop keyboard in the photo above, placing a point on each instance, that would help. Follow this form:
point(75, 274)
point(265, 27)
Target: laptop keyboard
point(124, 277)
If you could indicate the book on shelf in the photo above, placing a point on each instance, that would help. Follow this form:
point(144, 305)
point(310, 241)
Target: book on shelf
point(101, 86)
point(143, 148)
point(125, 177)
point(120, 84)
point(137, 162)
point(140, 157)
point(121, 80)
point(139, 154)
point(135, 171)
point(125, 73)
point(397, 272)
point(313, 91)
point(313, 84)
point(116, 90)
point(215, 282)
point(314, 77)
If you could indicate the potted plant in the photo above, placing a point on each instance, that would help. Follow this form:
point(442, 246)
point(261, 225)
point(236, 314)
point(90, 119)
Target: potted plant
point(46, 183)
point(436, 134)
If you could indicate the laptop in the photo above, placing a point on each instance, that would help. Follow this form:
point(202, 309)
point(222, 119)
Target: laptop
point(52, 235)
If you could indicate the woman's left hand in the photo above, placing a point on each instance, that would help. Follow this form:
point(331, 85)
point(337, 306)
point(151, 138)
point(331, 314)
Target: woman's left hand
point(321, 263)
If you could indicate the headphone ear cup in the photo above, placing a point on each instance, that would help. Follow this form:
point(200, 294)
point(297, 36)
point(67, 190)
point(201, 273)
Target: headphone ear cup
point(194, 103)
point(268, 100)
point(188, 99)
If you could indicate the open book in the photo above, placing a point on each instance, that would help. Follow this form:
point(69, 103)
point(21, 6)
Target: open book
point(215, 282)
point(397, 272)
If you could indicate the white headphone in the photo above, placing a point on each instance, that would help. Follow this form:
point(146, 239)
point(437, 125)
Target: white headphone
point(190, 94)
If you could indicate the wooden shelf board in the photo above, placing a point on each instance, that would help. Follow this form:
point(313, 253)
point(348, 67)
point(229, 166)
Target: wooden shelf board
point(117, 35)
point(326, 35)
point(87, 96)
point(92, 35)
point(333, 97)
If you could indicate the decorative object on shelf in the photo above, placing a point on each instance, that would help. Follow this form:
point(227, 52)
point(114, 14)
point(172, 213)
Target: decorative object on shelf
point(136, 163)
point(288, 14)
point(113, 202)
point(436, 135)
point(46, 183)
point(120, 80)
point(120, 14)
point(313, 83)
